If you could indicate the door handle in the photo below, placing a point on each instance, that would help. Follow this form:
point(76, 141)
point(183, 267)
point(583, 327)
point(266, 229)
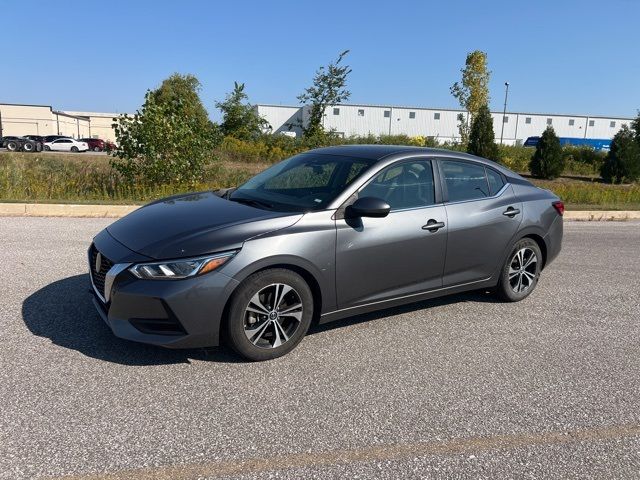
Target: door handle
point(433, 225)
point(511, 212)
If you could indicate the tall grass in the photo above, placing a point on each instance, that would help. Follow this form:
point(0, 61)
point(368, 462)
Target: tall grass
point(90, 179)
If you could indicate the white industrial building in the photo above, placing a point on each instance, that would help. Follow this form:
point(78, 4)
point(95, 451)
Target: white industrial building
point(439, 123)
point(19, 119)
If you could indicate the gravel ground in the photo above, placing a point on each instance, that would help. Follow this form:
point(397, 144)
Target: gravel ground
point(460, 387)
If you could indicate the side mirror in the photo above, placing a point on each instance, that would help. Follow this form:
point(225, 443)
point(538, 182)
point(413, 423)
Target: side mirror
point(368, 207)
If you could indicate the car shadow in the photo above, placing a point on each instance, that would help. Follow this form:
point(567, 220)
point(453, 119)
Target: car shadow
point(63, 311)
point(479, 296)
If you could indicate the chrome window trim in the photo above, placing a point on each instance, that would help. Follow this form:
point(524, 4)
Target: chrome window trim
point(499, 194)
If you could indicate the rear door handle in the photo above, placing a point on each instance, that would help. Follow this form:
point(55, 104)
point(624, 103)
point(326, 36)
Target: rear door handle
point(511, 212)
point(433, 225)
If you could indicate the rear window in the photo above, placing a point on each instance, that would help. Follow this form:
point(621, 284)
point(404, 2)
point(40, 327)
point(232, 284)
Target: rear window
point(496, 182)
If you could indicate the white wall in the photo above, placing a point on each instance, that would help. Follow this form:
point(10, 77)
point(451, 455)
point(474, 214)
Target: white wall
point(369, 119)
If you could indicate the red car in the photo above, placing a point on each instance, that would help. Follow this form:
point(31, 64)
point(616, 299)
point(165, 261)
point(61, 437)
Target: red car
point(95, 144)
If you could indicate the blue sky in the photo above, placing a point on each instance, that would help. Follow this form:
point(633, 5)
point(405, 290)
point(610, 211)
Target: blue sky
point(562, 56)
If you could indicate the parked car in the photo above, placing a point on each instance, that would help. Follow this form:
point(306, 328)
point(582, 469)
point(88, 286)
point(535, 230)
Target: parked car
point(51, 138)
point(20, 144)
point(324, 235)
point(95, 144)
point(66, 145)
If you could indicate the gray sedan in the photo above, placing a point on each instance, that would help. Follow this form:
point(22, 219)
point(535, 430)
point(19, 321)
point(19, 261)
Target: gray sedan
point(326, 234)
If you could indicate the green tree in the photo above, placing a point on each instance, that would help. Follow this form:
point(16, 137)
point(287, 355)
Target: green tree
point(472, 92)
point(169, 139)
point(239, 118)
point(635, 126)
point(548, 160)
point(482, 139)
point(623, 160)
point(329, 88)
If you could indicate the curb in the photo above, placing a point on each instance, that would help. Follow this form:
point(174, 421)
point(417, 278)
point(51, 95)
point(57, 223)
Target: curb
point(64, 210)
point(117, 211)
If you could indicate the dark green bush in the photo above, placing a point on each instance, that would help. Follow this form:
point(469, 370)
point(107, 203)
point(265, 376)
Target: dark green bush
point(623, 161)
point(547, 161)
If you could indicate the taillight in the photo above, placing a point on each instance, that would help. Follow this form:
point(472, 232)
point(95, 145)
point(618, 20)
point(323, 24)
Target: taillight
point(559, 206)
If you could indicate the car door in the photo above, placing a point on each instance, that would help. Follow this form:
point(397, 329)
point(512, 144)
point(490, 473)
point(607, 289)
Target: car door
point(483, 217)
point(383, 258)
point(61, 145)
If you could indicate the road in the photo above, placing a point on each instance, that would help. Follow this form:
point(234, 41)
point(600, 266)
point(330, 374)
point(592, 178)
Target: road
point(460, 387)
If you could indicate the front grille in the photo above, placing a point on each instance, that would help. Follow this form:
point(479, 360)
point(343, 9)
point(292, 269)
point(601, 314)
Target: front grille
point(97, 277)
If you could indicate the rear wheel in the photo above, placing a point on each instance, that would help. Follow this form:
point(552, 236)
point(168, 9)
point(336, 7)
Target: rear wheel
point(96, 149)
point(521, 271)
point(28, 147)
point(12, 145)
point(269, 314)
point(74, 149)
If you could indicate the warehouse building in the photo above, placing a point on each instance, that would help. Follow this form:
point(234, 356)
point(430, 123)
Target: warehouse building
point(18, 120)
point(439, 123)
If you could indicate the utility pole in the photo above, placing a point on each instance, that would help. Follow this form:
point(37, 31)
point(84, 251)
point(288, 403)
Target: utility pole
point(504, 111)
point(0, 123)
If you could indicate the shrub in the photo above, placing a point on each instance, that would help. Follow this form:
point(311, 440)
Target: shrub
point(582, 160)
point(482, 139)
point(514, 157)
point(169, 140)
point(547, 161)
point(623, 161)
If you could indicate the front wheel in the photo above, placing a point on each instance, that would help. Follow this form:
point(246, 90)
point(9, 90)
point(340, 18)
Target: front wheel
point(521, 271)
point(269, 314)
point(47, 148)
point(74, 149)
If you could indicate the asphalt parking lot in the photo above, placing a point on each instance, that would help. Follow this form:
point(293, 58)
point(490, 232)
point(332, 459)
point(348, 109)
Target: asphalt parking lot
point(460, 387)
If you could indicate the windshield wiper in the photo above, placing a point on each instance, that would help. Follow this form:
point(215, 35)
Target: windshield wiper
point(252, 203)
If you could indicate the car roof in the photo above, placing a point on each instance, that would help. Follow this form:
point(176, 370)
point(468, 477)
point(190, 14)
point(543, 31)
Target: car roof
point(378, 152)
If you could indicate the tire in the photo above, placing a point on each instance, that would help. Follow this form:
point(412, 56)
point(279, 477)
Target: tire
point(47, 148)
point(29, 147)
point(12, 146)
point(516, 283)
point(96, 149)
point(258, 331)
point(74, 149)
point(38, 147)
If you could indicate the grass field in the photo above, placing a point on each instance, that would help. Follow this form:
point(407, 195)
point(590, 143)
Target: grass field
point(86, 178)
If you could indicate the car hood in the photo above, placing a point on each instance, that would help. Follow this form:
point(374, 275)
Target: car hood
point(194, 224)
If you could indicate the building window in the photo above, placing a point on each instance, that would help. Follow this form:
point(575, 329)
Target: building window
point(505, 119)
point(527, 120)
point(412, 114)
point(549, 121)
point(436, 116)
point(336, 111)
point(592, 123)
point(361, 112)
point(387, 113)
point(572, 122)
point(612, 124)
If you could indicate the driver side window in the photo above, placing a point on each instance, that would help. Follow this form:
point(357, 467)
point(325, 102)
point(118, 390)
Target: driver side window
point(405, 185)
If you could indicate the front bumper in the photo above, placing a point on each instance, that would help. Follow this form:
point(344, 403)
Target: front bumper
point(171, 313)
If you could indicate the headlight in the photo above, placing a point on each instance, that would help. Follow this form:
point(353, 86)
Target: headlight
point(182, 268)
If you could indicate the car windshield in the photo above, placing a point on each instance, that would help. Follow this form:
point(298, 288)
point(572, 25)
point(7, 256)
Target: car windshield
point(306, 182)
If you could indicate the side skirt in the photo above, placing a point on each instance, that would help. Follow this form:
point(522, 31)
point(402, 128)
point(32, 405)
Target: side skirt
point(406, 299)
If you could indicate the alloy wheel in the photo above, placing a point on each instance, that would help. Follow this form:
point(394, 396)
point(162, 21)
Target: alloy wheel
point(523, 269)
point(273, 315)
